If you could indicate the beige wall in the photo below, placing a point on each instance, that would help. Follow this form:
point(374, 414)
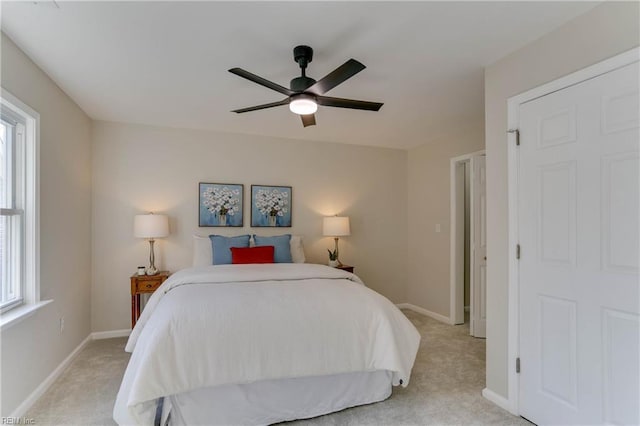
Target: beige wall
point(33, 348)
point(141, 168)
point(428, 186)
point(604, 31)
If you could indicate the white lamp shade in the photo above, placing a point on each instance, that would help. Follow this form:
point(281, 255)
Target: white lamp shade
point(150, 226)
point(336, 226)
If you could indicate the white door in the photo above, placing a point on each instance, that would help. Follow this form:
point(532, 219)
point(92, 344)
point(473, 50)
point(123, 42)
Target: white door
point(478, 295)
point(578, 231)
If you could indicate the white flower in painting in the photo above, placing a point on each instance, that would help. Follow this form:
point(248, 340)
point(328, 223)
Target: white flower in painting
point(221, 200)
point(271, 202)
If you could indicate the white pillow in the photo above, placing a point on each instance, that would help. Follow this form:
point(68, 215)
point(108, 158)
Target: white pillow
point(297, 251)
point(203, 253)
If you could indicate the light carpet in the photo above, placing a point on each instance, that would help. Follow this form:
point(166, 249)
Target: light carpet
point(445, 387)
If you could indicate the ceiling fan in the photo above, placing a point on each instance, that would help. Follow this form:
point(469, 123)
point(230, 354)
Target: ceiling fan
point(305, 93)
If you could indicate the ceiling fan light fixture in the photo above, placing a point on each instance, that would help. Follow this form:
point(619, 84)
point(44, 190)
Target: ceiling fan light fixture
point(303, 104)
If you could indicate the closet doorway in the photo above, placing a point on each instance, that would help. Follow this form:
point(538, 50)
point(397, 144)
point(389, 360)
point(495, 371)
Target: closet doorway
point(468, 243)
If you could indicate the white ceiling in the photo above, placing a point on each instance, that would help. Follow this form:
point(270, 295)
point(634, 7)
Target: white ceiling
point(165, 63)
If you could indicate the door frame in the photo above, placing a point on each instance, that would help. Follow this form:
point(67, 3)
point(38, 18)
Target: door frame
point(456, 264)
point(513, 284)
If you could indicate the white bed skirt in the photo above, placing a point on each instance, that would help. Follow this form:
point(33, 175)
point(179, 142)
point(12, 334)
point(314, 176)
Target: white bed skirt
point(273, 401)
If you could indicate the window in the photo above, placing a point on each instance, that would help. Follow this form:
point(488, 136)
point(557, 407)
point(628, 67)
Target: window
point(18, 204)
point(11, 211)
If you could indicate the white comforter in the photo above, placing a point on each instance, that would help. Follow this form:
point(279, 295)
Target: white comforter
point(232, 324)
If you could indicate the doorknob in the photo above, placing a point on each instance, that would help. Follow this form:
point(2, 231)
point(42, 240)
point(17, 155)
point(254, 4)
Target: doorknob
point(485, 258)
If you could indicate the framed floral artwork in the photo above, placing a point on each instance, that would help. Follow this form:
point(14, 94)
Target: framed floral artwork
point(270, 206)
point(220, 204)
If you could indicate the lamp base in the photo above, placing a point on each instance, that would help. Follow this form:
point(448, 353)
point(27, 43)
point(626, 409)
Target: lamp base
point(337, 252)
point(152, 270)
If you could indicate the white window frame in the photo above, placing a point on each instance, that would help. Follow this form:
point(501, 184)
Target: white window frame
point(13, 212)
point(29, 209)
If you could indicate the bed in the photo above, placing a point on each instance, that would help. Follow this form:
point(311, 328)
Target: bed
point(260, 344)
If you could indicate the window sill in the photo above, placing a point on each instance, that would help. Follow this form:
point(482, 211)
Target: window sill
point(15, 315)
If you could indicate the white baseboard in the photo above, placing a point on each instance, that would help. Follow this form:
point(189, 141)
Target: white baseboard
point(46, 384)
point(42, 388)
point(98, 335)
point(499, 400)
point(424, 311)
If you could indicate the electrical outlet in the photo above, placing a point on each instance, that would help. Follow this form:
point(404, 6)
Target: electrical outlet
point(61, 325)
point(438, 229)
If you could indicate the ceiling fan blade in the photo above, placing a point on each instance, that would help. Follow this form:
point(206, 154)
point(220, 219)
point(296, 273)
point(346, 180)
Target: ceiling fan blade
point(337, 76)
point(263, 106)
point(261, 81)
point(348, 103)
point(308, 120)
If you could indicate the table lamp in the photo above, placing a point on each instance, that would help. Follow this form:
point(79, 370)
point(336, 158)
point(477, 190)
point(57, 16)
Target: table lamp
point(336, 226)
point(151, 226)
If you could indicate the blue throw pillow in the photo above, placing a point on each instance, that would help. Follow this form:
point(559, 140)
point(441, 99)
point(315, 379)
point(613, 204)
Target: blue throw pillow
point(281, 243)
point(222, 247)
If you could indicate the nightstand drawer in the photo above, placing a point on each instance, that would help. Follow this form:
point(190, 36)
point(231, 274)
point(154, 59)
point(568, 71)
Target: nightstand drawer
point(148, 285)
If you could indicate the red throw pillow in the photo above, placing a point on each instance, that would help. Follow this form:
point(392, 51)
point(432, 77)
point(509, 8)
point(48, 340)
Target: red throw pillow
point(243, 255)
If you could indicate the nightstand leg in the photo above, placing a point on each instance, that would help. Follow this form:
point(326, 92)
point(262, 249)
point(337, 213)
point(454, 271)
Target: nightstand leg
point(133, 311)
point(137, 306)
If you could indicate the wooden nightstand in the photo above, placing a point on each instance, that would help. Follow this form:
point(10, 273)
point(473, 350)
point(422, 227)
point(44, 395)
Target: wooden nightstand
point(346, 268)
point(144, 284)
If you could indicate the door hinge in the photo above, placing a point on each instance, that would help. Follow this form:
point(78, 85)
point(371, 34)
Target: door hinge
point(517, 132)
point(517, 251)
point(517, 365)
